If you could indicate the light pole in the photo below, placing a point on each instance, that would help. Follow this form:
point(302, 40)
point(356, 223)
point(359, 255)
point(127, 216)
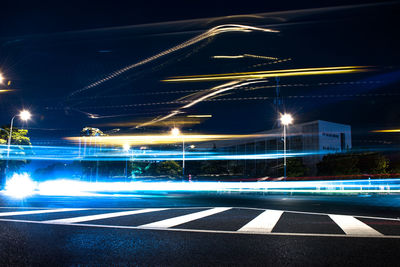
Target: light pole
point(286, 119)
point(176, 132)
point(126, 148)
point(24, 115)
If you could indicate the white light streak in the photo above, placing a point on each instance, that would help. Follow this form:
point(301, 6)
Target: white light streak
point(212, 32)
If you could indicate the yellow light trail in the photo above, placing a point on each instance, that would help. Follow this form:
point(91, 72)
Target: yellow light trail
point(273, 73)
point(199, 116)
point(5, 90)
point(387, 131)
point(134, 140)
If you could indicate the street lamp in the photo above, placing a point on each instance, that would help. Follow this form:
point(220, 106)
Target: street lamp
point(1, 78)
point(285, 119)
point(176, 132)
point(126, 148)
point(24, 115)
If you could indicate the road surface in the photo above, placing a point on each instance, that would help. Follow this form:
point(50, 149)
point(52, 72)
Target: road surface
point(201, 230)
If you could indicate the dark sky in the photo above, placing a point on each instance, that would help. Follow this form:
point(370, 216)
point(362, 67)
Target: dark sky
point(33, 17)
point(46, 65)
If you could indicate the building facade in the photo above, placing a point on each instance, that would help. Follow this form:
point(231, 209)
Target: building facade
point(315, 139)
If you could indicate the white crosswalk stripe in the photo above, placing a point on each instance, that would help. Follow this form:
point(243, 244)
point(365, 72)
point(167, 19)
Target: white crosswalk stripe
point(183, 219)
point(264, 222)
point(101, 216)
point(353, 226)
point(32, 212)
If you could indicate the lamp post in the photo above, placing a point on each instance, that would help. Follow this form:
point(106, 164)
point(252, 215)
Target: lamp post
point(24, 115)
point(285, 119)
point(126, 148)
point(176, 132)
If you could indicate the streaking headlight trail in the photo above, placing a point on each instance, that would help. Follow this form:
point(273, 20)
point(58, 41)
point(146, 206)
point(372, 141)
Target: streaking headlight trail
point(66, 187)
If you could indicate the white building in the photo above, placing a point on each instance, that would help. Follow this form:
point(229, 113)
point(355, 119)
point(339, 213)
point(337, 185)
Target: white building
point(319, 137)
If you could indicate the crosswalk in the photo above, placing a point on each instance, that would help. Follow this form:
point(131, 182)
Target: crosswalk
point(264, 222)
point(230, 220)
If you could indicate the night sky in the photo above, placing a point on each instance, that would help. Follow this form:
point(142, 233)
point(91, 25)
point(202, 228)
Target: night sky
point(51, 52)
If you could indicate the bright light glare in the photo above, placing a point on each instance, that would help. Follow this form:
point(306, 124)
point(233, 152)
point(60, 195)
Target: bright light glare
point(1, 78)
point(175, 132)
point(126, 147)
point(20, 186)
point(286, 119)
point(25, 115)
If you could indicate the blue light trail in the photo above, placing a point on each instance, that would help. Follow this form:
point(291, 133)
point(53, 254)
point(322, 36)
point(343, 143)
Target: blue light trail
point(21, 185)
point(67, 153)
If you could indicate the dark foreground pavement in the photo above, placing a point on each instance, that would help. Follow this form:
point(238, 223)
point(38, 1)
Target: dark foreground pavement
point(305, 235)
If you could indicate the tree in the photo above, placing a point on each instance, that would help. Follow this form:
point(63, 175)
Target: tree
point(338, 164)
point(19, 140)
point(169, 168)
point(347, 164)
point(373, 163)
point(296, 168)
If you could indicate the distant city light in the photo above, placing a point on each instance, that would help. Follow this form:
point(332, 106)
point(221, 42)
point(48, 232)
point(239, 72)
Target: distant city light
point(286, 119)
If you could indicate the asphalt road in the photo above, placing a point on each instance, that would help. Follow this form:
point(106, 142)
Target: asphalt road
point(200, 230)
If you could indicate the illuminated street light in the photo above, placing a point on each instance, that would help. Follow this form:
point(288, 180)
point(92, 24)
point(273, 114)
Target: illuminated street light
point(285, 119)
point(1, 78)
point(24, 115)
point(126, 147)
point(176, 132)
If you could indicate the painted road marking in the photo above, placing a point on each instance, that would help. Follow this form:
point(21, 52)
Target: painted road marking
point(352, 226)
point(183, 219)
point(101, 216)
point(31, 212)
point(349, 224)
point(202, 231)
point(264, 222)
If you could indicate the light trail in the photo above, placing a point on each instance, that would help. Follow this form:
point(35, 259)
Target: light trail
point(387, 131)
point(202, 96)
point(94, 151)
point(244, 79)
point(211, 32)
point(199, 116)
point(269, 74)
point(68, 187)
point(245, 56)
